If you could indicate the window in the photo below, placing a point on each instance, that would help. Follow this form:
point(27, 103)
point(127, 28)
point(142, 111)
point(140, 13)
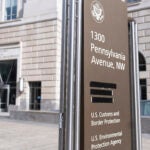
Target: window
point(10, 9)
point(142, 63)
point(35, 95)
point(143, 84)
point(133, 1)
point(8, 76)
point(143, 89)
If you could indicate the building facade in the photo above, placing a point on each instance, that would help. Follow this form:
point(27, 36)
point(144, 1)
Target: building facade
point(30, 48)
point(139, 10)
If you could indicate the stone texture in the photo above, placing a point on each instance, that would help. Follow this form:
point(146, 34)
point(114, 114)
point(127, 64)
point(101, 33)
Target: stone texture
point(147, 18)
point(141, 47)
point(141, 33)
point(139, 20)
point(143, 40)
point(40, 51)
point(144, 26)
point(21, 135)
point(144, 12)
point(145, 141)
point(36, 116)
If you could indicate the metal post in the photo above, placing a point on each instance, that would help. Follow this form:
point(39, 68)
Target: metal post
point(78, 76)
point(63, 75)
point(136, 86)
point(71, 76)
point(138, 90)
point(69, 138)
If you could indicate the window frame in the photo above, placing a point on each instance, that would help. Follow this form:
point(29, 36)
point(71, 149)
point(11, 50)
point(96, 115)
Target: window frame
point(4, 12)
point(11, 11)
point(35, 90)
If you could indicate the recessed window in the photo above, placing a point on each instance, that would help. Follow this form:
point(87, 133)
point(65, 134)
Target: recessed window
point(143, 89)
point(133, 1)
point(143, 83)
point(35, 95)
point(10, 9)
point(8, 76)
point(142, 63)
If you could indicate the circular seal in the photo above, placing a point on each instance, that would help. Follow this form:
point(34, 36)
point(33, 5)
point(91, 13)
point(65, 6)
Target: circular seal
point(97, 11)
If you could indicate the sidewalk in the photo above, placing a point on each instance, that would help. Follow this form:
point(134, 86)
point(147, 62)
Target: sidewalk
point(145, 141)
point(25, 135)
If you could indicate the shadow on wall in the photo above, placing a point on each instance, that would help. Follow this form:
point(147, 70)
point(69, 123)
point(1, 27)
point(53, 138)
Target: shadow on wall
point(21, 12)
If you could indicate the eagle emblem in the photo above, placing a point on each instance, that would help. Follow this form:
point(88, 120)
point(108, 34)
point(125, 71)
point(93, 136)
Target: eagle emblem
point(97, 11)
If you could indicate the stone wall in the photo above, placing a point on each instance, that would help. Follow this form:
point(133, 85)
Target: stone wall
point(40, 59)
point(142, 17)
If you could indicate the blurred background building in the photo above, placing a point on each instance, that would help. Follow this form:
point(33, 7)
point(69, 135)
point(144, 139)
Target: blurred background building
point(30, 38)
point(139, 10)
point(30, 55)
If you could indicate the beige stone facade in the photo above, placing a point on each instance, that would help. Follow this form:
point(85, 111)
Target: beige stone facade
point(33, 40)
point(39, 59)
point(141, 14)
